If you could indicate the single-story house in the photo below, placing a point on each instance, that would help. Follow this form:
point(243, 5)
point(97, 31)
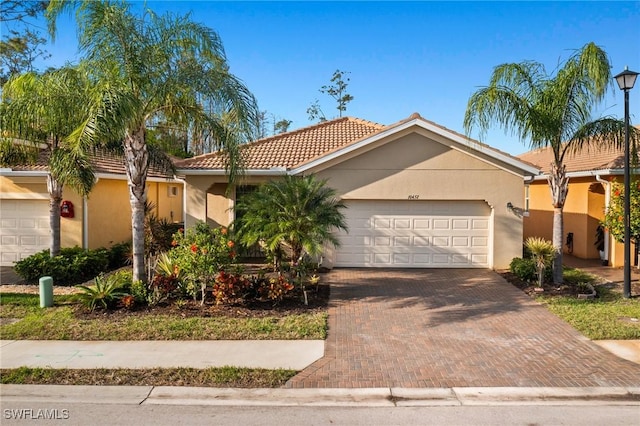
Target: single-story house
point(99, 220)
point(418, 195)
point(590, 174)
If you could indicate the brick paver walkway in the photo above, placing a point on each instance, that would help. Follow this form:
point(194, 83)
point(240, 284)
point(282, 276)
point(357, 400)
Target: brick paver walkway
point(448, 328)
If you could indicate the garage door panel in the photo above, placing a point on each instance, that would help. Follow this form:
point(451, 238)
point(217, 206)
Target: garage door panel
point(463, 224)
point(401, 224)
point(479, 242)
point(421, 241)
point(440, 242)
point(421, 224)
point(441, 224)
point(480, 224)
point(460, 242)
point(24, 229)
point(402, 241)
point(416, 234)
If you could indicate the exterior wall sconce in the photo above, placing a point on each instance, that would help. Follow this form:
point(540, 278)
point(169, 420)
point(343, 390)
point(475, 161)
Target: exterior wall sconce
point(510, 206)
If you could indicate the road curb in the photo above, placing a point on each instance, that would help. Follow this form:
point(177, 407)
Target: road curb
point(343, 397)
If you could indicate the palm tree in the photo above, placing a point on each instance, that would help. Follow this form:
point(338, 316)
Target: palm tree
point(296, 213)
point(157, 69)
point(550, 111)
point(43, 110)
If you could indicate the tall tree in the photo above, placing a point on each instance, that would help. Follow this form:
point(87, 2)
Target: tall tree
point(281, 126)
point(18, 53)
point(21, 10)
point(550, 110)
point(338, 91)
point(21, 44)
point(43, 110)
point(153, 68)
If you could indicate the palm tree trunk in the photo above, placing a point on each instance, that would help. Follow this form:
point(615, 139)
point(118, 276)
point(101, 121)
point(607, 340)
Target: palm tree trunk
point(55, 198)
point(559, 185)
point(137, 164)
point(558, 231)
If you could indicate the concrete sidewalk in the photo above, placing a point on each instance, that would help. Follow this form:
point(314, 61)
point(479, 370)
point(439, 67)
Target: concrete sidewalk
point(269, 354)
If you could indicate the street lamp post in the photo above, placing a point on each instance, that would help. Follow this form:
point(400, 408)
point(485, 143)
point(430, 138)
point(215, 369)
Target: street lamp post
point(626, 79)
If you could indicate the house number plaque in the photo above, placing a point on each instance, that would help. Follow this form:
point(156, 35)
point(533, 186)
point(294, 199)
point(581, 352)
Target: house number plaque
point(413, 196)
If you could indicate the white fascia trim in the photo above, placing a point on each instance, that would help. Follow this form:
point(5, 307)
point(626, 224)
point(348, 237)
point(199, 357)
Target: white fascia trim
point(275, 171)
point(29, 173)
point(41, 173)
point(117, 176)
point(590, 173)
point(427, 126)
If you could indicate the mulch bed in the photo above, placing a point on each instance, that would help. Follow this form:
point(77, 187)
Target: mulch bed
point(292, 304)
point(564, 289)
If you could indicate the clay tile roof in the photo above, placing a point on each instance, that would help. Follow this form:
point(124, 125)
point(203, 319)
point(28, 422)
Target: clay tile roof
point(290, 149)
point(586, 160)
point(102, 161)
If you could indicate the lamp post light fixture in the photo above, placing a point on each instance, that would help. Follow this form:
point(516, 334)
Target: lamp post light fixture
point(626, 79)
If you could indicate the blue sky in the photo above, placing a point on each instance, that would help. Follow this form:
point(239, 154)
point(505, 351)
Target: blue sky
point(403, 57)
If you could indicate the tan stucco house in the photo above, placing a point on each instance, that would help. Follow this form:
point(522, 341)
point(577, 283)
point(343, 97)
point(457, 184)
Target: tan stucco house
point(590, 174)
point(417, 194)
point(99, 220)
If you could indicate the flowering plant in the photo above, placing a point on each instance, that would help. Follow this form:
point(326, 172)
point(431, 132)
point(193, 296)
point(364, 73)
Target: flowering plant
point(614, 217)
point(200, 254)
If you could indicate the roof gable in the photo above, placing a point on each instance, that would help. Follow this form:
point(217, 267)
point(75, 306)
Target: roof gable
point(454, 141)
point(316, 146)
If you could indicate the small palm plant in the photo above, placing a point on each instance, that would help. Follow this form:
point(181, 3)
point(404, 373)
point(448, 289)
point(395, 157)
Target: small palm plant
point(105, 292)
point(297, 215)
point(543, 253)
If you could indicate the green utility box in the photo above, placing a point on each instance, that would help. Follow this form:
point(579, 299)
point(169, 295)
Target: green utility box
point(46, 292)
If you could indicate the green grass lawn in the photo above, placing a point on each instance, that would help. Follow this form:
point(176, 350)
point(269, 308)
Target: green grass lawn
point(60, 323)
point(608, 317)
point(211, 377)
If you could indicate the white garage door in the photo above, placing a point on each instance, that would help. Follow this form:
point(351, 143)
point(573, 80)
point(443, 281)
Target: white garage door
point(24, 229)
point(416, 234)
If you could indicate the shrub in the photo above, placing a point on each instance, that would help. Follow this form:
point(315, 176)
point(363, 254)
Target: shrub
point(139, 292)
point(525, 269)
point(200, 254)
point(229, 288)
point(73, 265)
point(119, 255)
point(105, 292)
point(162, 288)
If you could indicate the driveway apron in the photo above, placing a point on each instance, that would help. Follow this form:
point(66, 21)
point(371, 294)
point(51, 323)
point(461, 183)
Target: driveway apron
point(451, 328)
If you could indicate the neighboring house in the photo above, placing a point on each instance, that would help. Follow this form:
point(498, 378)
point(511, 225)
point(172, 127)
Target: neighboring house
point(100, 220)
point(418, 195)
point(590, 173)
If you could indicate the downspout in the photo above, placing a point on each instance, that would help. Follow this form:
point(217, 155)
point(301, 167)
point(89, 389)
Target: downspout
point(607, 200)
point(527, 182)
point(85, 220)
point(85, 224)
point(184, 199)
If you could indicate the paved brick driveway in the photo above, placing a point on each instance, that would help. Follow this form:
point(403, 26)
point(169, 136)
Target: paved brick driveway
point(446, 328)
